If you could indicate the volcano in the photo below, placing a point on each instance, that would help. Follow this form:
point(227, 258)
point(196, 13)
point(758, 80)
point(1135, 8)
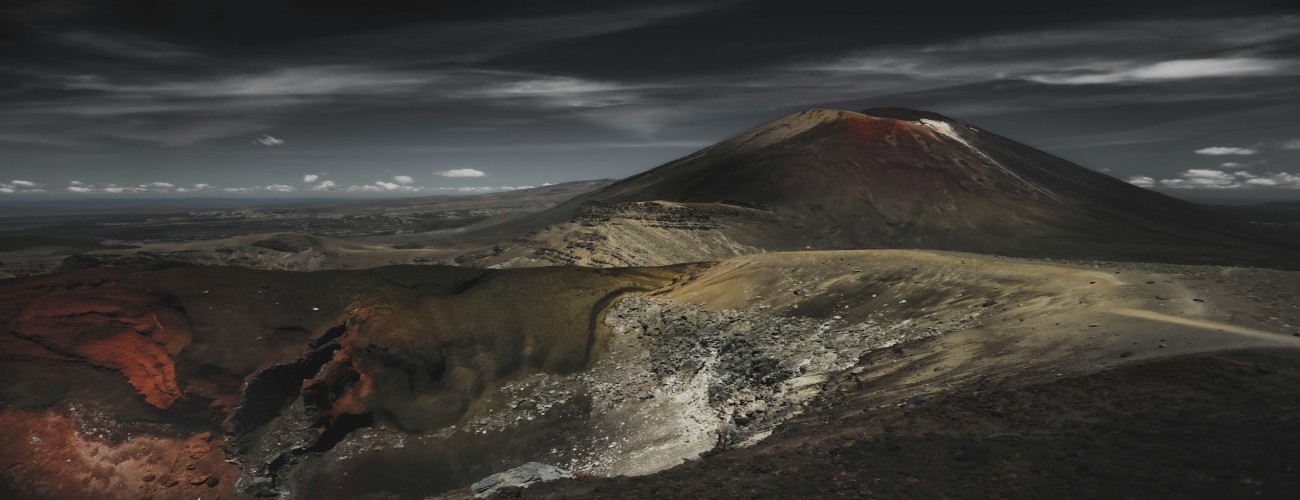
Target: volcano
point(884, 178)
point(912, 373)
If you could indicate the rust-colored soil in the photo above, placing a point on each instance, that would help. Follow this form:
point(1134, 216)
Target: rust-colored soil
point(77, 451)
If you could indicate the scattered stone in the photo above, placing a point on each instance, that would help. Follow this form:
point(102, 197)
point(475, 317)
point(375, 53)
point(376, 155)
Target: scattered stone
point(1162, 297)
point(198, 447)
point(989, 303)
point(800, 292)
point(1198, 299)
point(148, 478)
point(1094, 325)
point(170, 483)
point(212, 482)
point(1126, 354)
point(1162, 346)
point(858, 370)
point(523, 476)
point(198, 479)
point(36, 440)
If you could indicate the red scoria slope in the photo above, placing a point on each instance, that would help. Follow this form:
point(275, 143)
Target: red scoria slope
point(110, 321)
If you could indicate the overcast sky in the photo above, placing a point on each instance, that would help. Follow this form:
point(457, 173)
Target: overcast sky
point(102, 98)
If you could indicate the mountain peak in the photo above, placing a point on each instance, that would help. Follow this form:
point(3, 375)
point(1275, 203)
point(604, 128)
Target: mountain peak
point(912, 115)
point(899, 177)
point(789, 126)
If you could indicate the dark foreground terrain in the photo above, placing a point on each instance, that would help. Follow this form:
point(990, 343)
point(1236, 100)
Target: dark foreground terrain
point(898, 373)
point(1222, 425)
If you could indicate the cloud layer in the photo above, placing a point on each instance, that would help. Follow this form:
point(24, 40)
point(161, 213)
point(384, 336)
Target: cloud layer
point(1198, 178)
point(401, 184)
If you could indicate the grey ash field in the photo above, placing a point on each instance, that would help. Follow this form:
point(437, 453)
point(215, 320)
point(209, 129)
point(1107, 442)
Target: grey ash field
point(880, 304)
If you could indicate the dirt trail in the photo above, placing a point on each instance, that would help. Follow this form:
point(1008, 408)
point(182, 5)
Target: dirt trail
point(1209, 325)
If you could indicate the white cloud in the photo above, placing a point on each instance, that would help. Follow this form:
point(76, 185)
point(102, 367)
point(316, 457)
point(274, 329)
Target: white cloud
point(299, 81)
point(560, 91)
point(202, 187)
point(1290, 180)
point(324, 186)
point(152, 187)
point(1282, 180)
point(483, 189)
point(1224, 151)
point(1232, 164)
point(282, 188)
point(310, 178)
point(19, 186)
point(461, 172)
point(1173, 70)
point(267, 140)
point(1291, 145)
point(403, 179)
point(1141, 181)
point(1198, 178)
point(381, 186)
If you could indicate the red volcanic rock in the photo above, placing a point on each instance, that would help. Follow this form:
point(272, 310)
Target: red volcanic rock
point(117, 322)
point(345, 382)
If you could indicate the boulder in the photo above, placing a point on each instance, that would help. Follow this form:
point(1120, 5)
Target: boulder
point(523, 476)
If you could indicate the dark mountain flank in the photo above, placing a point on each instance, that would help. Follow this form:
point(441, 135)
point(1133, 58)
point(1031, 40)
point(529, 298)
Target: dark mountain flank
point(887, 178)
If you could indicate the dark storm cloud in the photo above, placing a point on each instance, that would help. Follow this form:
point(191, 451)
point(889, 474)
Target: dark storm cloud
point(392, 79)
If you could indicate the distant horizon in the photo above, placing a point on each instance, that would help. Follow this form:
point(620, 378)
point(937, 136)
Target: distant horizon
point(1228, 198)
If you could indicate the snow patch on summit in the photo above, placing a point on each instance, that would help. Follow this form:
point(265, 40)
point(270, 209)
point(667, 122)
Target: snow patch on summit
point(946, 129)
